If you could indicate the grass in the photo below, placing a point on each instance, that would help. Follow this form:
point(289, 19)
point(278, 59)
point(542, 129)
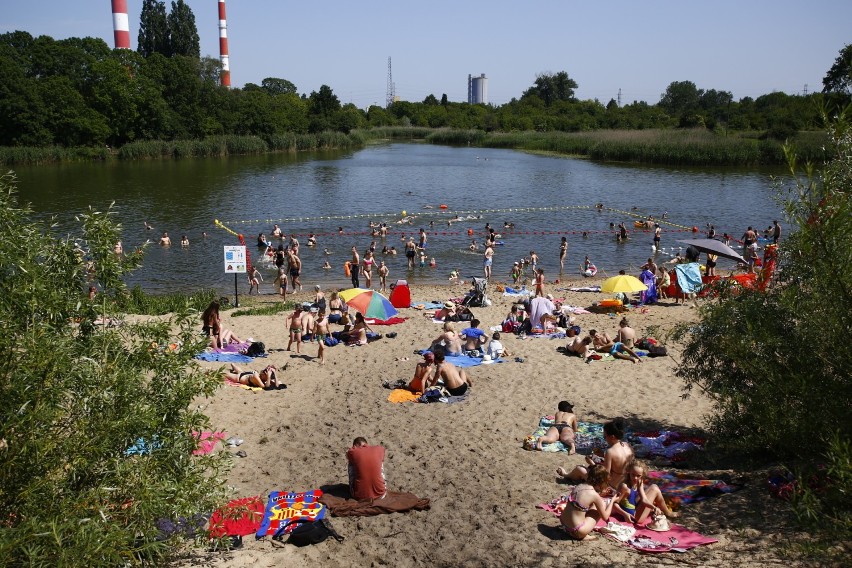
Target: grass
point(138, 302)
point(265, 309)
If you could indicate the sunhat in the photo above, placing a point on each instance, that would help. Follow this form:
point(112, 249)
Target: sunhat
point(659, 524)
point(486, 359)
point(449, 305)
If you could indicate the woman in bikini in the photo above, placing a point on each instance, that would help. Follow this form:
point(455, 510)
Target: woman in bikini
point(367, 268)
point(563, 429)
point(637, 500)
point(335, 308)
point(212, 327)
point(586, 506)
point(267, 378)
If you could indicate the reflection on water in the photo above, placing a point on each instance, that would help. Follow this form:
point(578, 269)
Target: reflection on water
point(544, 197)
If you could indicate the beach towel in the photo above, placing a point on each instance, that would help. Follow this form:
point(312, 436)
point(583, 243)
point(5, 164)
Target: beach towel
point(223, 357)
point(240, 517)
point(669, 444)
point(207, 441)
point(676, 539)
point(231, 383)
point(393, 502)
point(517, 293)
point(284, 506)
point(389, 321)
point(584, 289)
point(648, 278)
point(232, 347)
point(589, 436)
point(681, 488)
point(402, 395)
point(142, 447)
point(463, 361)
point(688, 277)
point(429, 305)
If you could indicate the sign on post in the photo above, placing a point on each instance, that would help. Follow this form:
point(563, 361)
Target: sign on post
point(235, 263)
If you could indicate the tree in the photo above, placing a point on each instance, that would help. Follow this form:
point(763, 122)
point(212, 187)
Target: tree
point(183, 35)
point(275, 86)
point(153, 29)
point(551, 88)
point(430, 100)
point(444, 99)
point(76, 398)
point(838, 79)
point(680, 97)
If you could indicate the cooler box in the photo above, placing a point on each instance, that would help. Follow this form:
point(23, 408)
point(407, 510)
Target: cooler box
point(401, 295)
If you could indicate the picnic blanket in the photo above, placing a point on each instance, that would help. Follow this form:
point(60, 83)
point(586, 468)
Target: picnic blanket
point(682, 488)
point(669, 444)
point(676, 539)
point(207, 441)
point(588, 437)
point(223, 357)
point(389, 321)
point(284, 506)
point(393, 502)
point(238, 517)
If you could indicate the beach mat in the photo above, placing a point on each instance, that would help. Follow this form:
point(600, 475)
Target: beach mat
point(223, 357)
point(402, 395)
point(284, 506)
point(393, 502)
point(681, 488)
point(239, 517)
point(589, 436)
point(677, 539)
point(389, 321)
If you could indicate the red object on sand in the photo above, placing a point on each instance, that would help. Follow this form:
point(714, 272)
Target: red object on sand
point(401, 295)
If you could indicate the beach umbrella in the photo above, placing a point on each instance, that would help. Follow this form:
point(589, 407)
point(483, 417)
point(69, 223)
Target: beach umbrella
point(622, 283)
point(368, 303)
point(718, 248)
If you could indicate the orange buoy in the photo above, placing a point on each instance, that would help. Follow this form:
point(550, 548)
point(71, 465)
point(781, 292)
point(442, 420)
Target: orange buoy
point(695, 229)
point(470, 232)
point(346, 270)
point(443, 206)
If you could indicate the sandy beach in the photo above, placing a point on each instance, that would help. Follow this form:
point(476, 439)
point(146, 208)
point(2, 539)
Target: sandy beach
point(467, 458)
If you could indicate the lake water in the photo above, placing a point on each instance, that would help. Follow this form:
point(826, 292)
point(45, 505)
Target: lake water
point(544, 197)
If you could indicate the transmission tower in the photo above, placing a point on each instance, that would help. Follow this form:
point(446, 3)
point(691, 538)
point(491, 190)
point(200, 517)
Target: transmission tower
point(619, 98)
point(806, 90)
point(390, 93)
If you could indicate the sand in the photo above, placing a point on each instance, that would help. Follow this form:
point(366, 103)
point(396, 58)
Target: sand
point(467, 458)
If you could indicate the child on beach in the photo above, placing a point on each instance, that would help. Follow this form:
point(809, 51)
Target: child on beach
point(320, 333)
point(294, 325)
point(516, 273)
point(563, 428)
point(383, 276)
point(495, 348)
point(614, 459)
point(255, 279)
point(539, 282)
point(454, 275)
point(638, 500)
point(282, 282)
point(586, 506)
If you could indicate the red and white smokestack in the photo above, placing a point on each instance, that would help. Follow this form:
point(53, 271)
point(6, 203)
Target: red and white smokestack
point(223, 46)
point(120, 24)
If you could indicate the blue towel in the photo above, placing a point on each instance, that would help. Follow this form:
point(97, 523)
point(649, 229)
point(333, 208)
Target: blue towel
point(143, 447)
point(429, 305)
point(689, 277)
point(223, 357)
point(463, 361)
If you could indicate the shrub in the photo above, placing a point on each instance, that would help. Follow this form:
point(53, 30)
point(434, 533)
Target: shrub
point(75, 396)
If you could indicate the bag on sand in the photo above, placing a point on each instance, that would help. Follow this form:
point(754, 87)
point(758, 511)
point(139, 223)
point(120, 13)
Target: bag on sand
point(256, 349)
point(309, 532)
point(657, 351)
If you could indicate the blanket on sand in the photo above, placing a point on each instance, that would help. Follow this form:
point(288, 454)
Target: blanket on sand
point(682, 488)
point(207, 441)
point(676, 539)
point(588, 437)
point(238, 517)
point(393, 502)
point(284, 506)
point(462, 361)
point(223, 357)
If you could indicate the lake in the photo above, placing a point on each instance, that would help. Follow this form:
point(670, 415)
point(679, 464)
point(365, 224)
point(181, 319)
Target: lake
point(335, 195)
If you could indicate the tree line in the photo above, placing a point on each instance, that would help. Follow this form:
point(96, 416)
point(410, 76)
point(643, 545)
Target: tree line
point(78, 92)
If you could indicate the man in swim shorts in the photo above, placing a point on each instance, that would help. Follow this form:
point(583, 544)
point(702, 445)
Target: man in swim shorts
point(455, 380)
point(294, 326)
point(410, 251)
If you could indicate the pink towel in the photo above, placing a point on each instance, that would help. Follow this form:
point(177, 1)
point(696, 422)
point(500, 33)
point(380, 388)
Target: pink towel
point(676, 539)
point(207, 441)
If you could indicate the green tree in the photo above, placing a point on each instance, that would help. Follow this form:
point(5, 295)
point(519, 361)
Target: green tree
point(275, 86)
point(681, 100)
point(183, 35)
point(552, 87)
point(838, 79)
point(75, 397)
point(153, 29)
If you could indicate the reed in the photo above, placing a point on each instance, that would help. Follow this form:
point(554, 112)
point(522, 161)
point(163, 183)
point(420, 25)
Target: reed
point(456, 137)
point(265, 309)
point(136, 301)
point(401, 132)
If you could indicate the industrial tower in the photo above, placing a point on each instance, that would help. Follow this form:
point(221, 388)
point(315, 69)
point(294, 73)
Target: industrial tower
point(391, 95)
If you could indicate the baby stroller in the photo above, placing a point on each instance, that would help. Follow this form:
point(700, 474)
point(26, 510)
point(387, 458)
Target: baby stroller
point(476, 297)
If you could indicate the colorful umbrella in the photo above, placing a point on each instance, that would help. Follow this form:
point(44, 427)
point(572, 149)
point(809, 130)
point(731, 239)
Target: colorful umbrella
point(623, 283)
point(368, 303)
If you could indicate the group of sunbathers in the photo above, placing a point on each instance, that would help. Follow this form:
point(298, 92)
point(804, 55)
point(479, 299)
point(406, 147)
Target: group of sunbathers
point(600, 342)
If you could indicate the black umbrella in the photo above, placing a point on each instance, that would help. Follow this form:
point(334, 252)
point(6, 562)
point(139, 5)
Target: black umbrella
point(712, 246)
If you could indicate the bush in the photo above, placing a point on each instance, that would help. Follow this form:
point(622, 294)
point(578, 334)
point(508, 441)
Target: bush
point(776, 363)
point(75, 396)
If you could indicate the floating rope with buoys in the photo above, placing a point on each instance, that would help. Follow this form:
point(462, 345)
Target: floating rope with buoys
point(242, 240)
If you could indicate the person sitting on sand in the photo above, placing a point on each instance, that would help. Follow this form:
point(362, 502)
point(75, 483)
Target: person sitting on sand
point(614, 460)
point(211, 325)
point(358, 333)
point(447, 313)
point(495, 348)
point(449, 340)
point(601, 341)
point(366, 471)
point(267, 378)
point(474, 338)
point(336, 307)
point(637, 500)
point(422, 372)
point(577, 346)
point(586, 506)
point(563, 429)
point(455, 380)
point(625, 333)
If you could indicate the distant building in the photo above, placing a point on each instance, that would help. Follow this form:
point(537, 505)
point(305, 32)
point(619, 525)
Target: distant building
point(477, 89)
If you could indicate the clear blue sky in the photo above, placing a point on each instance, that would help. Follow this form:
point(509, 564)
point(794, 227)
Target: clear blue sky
point(747, 47)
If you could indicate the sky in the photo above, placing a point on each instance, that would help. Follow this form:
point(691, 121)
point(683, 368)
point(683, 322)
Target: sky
point(747, 47)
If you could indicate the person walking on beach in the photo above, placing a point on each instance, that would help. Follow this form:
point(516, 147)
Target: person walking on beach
point(383, 277)
point(488, 259)
point(366, 471)
point(294, 326)
point(539, 282)
point(563, 254)
point(367, 268)
point(320, 332)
